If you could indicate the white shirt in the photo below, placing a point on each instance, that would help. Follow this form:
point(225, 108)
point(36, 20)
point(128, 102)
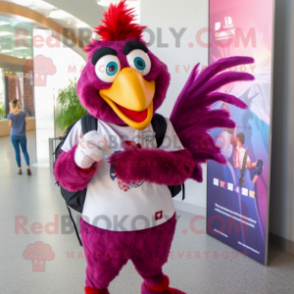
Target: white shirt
point(116, 206)
point(239, 157)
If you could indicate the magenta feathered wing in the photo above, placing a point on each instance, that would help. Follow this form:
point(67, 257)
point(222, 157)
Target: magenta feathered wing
point(192, 116)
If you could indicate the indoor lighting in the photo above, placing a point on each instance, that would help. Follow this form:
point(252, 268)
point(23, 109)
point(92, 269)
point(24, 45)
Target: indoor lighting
point(21, 37)
point(3, 23)
point(25, 3)
point(43, 5)
point(5, 34)
point(59, 14)
point(22, 19)
point(82, 24)
point(106, 3)
point(21, 48)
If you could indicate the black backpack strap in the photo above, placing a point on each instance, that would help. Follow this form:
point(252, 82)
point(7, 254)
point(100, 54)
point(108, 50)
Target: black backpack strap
point(75, 226)
point(183, 192)
point(159, 126)
point(89, 123)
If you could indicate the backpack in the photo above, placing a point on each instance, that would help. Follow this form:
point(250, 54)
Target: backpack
point(75, 200)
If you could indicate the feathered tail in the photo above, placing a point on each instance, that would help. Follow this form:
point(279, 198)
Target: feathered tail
point(192, 117)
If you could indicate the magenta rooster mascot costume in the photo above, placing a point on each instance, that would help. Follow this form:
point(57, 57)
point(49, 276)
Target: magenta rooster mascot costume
point(128, 212)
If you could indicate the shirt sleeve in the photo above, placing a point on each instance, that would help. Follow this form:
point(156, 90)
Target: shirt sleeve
point(171, 141)
point(235, 161)
point(73, 138)
point(9, 116)
point(248, 158)
point(23, 114)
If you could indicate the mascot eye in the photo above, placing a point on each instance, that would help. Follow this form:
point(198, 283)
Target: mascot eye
point(111, 68)
point(140, 61)
point(107, 68)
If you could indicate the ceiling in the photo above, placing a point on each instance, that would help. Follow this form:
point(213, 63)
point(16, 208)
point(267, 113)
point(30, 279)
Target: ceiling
point(58, 14)
point(11, 38)
point(74, 15)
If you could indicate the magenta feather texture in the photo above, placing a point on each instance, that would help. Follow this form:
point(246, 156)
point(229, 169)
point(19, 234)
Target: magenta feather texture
point(153, 165)
point(192, 116)
point(100, 244)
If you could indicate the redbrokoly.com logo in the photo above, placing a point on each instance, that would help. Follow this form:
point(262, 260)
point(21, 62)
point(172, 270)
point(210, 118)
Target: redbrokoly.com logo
point(43, 66)
point(39, 253)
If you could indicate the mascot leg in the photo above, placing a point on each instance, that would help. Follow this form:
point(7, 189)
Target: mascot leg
point(151, 253)
point(105, 253)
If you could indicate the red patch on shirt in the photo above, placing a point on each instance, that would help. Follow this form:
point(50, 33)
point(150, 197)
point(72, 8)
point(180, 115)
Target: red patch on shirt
point(158, 215)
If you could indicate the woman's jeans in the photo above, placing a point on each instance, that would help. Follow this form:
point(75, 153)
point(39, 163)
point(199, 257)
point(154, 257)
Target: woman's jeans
point(16, 140)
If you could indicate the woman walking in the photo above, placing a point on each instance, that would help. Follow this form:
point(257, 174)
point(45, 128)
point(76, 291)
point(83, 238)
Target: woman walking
point(17, 121)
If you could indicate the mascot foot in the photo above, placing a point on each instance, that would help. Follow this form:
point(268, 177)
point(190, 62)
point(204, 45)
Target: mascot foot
point(89, 290)
point(162, 288)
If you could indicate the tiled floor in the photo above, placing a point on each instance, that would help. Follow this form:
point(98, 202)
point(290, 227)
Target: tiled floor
point(37, 199)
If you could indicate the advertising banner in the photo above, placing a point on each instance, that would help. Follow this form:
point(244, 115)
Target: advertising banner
point(238, 192)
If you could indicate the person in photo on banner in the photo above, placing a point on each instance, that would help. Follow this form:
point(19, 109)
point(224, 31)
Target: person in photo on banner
point(240, 155)
point(129, 159)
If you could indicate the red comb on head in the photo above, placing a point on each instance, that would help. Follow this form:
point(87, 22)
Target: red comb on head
point(118, 23)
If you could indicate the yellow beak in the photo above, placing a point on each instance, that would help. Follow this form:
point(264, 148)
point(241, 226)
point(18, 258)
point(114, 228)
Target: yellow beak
point(131, 98)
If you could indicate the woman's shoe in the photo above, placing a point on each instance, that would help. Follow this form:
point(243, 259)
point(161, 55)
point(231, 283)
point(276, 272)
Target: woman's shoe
point(29, 172)
point(20, 172)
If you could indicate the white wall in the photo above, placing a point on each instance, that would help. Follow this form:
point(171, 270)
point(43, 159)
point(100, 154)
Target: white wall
point(161, 16)
point(66, 61)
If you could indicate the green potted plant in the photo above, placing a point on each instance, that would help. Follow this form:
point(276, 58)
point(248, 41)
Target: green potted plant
point(2, 110)
point(69, 108)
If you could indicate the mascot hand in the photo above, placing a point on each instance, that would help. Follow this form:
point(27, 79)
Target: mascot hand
point(125, 169)
point(122, 167)
point(90, 149)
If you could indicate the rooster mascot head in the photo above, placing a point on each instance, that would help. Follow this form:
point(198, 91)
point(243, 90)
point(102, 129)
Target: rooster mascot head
point(122, 82)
